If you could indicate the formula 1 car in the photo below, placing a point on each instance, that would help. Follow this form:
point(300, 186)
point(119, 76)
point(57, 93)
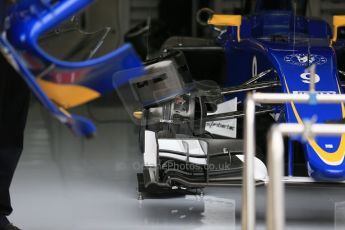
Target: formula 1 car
point(188, 135)
point(73, 76)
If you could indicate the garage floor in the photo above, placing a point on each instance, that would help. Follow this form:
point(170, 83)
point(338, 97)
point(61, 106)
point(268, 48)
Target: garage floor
point(66, 183)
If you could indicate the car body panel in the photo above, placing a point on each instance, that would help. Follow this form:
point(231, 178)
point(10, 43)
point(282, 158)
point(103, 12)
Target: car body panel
point(290, 44)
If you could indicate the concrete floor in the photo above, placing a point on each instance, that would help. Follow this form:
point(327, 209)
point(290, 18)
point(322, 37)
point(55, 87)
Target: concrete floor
point(67, 183)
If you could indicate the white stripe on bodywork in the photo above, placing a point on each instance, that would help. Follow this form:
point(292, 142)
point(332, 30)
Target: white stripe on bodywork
point(186, 146)
point(151, 149)
point(193, 160)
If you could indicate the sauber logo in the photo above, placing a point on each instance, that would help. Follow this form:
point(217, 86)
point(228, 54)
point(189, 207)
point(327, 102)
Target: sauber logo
point(305, 59)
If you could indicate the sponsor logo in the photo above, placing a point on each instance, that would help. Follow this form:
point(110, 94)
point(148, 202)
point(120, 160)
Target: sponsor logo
point(329, 146)
point(220, 125)
point(305, 59)
point(317, 92)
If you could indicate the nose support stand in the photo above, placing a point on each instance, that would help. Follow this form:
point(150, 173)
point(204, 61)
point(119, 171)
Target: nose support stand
point(275, 197)
point(276, 193)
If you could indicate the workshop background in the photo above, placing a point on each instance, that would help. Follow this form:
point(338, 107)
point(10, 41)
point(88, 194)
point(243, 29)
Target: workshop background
point(68, 183)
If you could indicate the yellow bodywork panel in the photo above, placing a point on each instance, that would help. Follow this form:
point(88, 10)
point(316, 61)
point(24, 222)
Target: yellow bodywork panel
point(138, 115)
point(68, 96)
point(227, 20)
point(338, 21)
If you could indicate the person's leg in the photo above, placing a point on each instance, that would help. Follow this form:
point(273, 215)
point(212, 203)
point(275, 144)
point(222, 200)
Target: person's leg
point(14, 101)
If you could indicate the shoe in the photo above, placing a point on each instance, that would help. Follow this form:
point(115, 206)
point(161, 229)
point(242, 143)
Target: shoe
point(10, 227)
point(6, 225)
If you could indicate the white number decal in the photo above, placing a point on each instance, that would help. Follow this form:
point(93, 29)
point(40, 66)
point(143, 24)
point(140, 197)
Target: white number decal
point(306, 78)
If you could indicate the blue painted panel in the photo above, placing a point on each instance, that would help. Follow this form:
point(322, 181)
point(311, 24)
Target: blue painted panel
point(290, 65)
point(279, 39)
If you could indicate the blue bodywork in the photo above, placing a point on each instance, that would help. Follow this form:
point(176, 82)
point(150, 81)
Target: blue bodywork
point(277, 39)
point(26, 22)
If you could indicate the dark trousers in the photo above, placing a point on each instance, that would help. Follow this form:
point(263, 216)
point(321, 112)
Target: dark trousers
point(14, 102)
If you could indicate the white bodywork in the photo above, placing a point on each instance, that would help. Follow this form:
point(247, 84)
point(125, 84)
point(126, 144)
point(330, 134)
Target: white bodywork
point(151, 148)
point(260, 169)
point(189, 150)
point(225, 128)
